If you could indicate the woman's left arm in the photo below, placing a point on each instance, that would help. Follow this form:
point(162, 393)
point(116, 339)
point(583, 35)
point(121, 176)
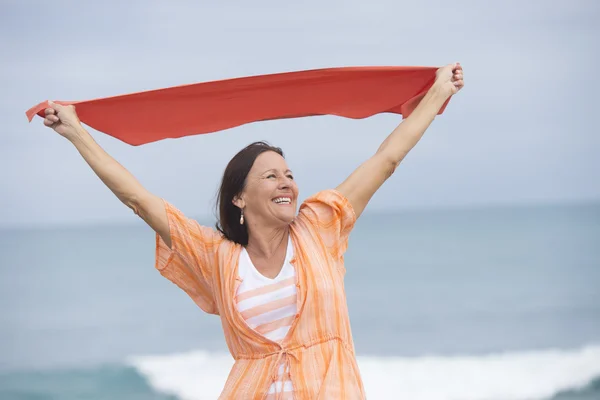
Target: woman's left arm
point(362, 184)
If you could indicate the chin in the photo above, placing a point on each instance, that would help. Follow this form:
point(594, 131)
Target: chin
point(288, 218)
point(286, 215)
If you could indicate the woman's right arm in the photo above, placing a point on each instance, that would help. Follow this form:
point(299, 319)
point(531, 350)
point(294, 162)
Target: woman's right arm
point(151, 208)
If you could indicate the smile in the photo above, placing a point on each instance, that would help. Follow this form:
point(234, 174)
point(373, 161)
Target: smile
point(282, 200)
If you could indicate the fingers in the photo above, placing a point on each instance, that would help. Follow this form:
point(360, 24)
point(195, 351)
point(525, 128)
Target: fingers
point(56, 107)
point(48, 122)
point(457, 76)
point(51, 118)
point(457, 73)
point(53, 109)
point(459, 85)
point(452, 74)
point(455, 69)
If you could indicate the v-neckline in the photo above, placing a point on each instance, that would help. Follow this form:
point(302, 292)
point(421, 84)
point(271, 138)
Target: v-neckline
point(286, 259)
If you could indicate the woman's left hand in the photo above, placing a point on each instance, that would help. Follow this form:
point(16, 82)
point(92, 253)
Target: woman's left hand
point(450, 78)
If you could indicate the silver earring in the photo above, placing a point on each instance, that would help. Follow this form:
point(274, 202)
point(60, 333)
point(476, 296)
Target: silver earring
point(242, 217)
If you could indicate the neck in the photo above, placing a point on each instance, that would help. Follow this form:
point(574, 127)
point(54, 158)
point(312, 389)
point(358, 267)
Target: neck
point(266, 242)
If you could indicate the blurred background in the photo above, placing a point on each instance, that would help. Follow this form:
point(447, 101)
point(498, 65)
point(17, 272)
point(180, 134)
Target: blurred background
point(484, 246)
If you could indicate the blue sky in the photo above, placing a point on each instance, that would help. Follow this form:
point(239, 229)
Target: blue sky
point(522, 131)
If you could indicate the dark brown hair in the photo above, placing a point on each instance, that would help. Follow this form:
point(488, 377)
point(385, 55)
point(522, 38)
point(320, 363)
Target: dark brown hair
point(232, 184)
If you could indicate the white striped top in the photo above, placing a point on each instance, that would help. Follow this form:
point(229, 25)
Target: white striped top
point(269, 305)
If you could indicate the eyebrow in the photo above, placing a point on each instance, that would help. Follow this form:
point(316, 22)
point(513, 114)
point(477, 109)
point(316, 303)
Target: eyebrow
point(274, 170)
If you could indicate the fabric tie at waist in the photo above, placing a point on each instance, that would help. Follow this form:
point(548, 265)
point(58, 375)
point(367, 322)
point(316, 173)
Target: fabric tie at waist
point(282, 355)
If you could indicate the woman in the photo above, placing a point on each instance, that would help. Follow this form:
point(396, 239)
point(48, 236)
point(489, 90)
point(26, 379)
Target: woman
point(275, 277)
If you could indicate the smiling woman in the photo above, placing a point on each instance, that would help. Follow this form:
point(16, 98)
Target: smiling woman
point(274, 276)
point(256, 173)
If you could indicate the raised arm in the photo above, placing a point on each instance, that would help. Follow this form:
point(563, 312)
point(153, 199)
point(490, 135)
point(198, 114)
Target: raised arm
point(362, 184)
point(151, 208)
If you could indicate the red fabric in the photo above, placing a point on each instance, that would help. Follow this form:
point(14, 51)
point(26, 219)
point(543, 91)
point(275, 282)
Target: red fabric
point(352, 92)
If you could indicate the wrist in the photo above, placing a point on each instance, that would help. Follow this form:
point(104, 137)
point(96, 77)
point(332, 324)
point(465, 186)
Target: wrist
point(434, 99)
point(77, 133)
point(441, 91)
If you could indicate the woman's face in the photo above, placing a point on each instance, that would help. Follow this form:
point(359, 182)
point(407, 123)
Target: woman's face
point(270, 195)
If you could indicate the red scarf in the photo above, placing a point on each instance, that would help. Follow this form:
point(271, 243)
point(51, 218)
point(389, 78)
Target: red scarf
point(352, 92)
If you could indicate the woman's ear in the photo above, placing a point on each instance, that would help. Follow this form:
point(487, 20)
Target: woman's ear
point(238, 202)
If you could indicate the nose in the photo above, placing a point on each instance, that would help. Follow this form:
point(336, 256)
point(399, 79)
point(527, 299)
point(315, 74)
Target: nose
point(285, 182)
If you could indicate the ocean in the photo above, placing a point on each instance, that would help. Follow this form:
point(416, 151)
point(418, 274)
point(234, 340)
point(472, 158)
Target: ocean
point(498, 303)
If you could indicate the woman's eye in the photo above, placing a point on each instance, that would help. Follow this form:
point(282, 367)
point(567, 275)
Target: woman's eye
point(271, 176)
point(291, 177)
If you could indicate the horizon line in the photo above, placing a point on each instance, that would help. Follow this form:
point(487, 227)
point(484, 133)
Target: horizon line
point(204, 218)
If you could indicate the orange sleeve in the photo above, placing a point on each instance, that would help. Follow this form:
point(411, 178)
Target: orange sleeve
point(192, 258)
point(333, 216)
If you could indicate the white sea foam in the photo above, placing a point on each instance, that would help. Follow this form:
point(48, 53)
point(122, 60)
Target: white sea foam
point(525, 375)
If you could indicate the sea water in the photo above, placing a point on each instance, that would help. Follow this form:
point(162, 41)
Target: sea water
point(469, 304)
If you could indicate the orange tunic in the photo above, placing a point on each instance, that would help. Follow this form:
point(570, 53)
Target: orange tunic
point(318, 351)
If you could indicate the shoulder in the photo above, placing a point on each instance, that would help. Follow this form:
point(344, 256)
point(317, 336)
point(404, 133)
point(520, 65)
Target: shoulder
point(327, 204)
point(326, 219)
point(206, 234)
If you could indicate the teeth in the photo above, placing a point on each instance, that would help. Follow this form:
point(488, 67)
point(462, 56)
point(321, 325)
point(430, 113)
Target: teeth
point(283, 200)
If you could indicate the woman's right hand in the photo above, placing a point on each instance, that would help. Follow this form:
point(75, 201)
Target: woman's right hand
point(63, 119)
